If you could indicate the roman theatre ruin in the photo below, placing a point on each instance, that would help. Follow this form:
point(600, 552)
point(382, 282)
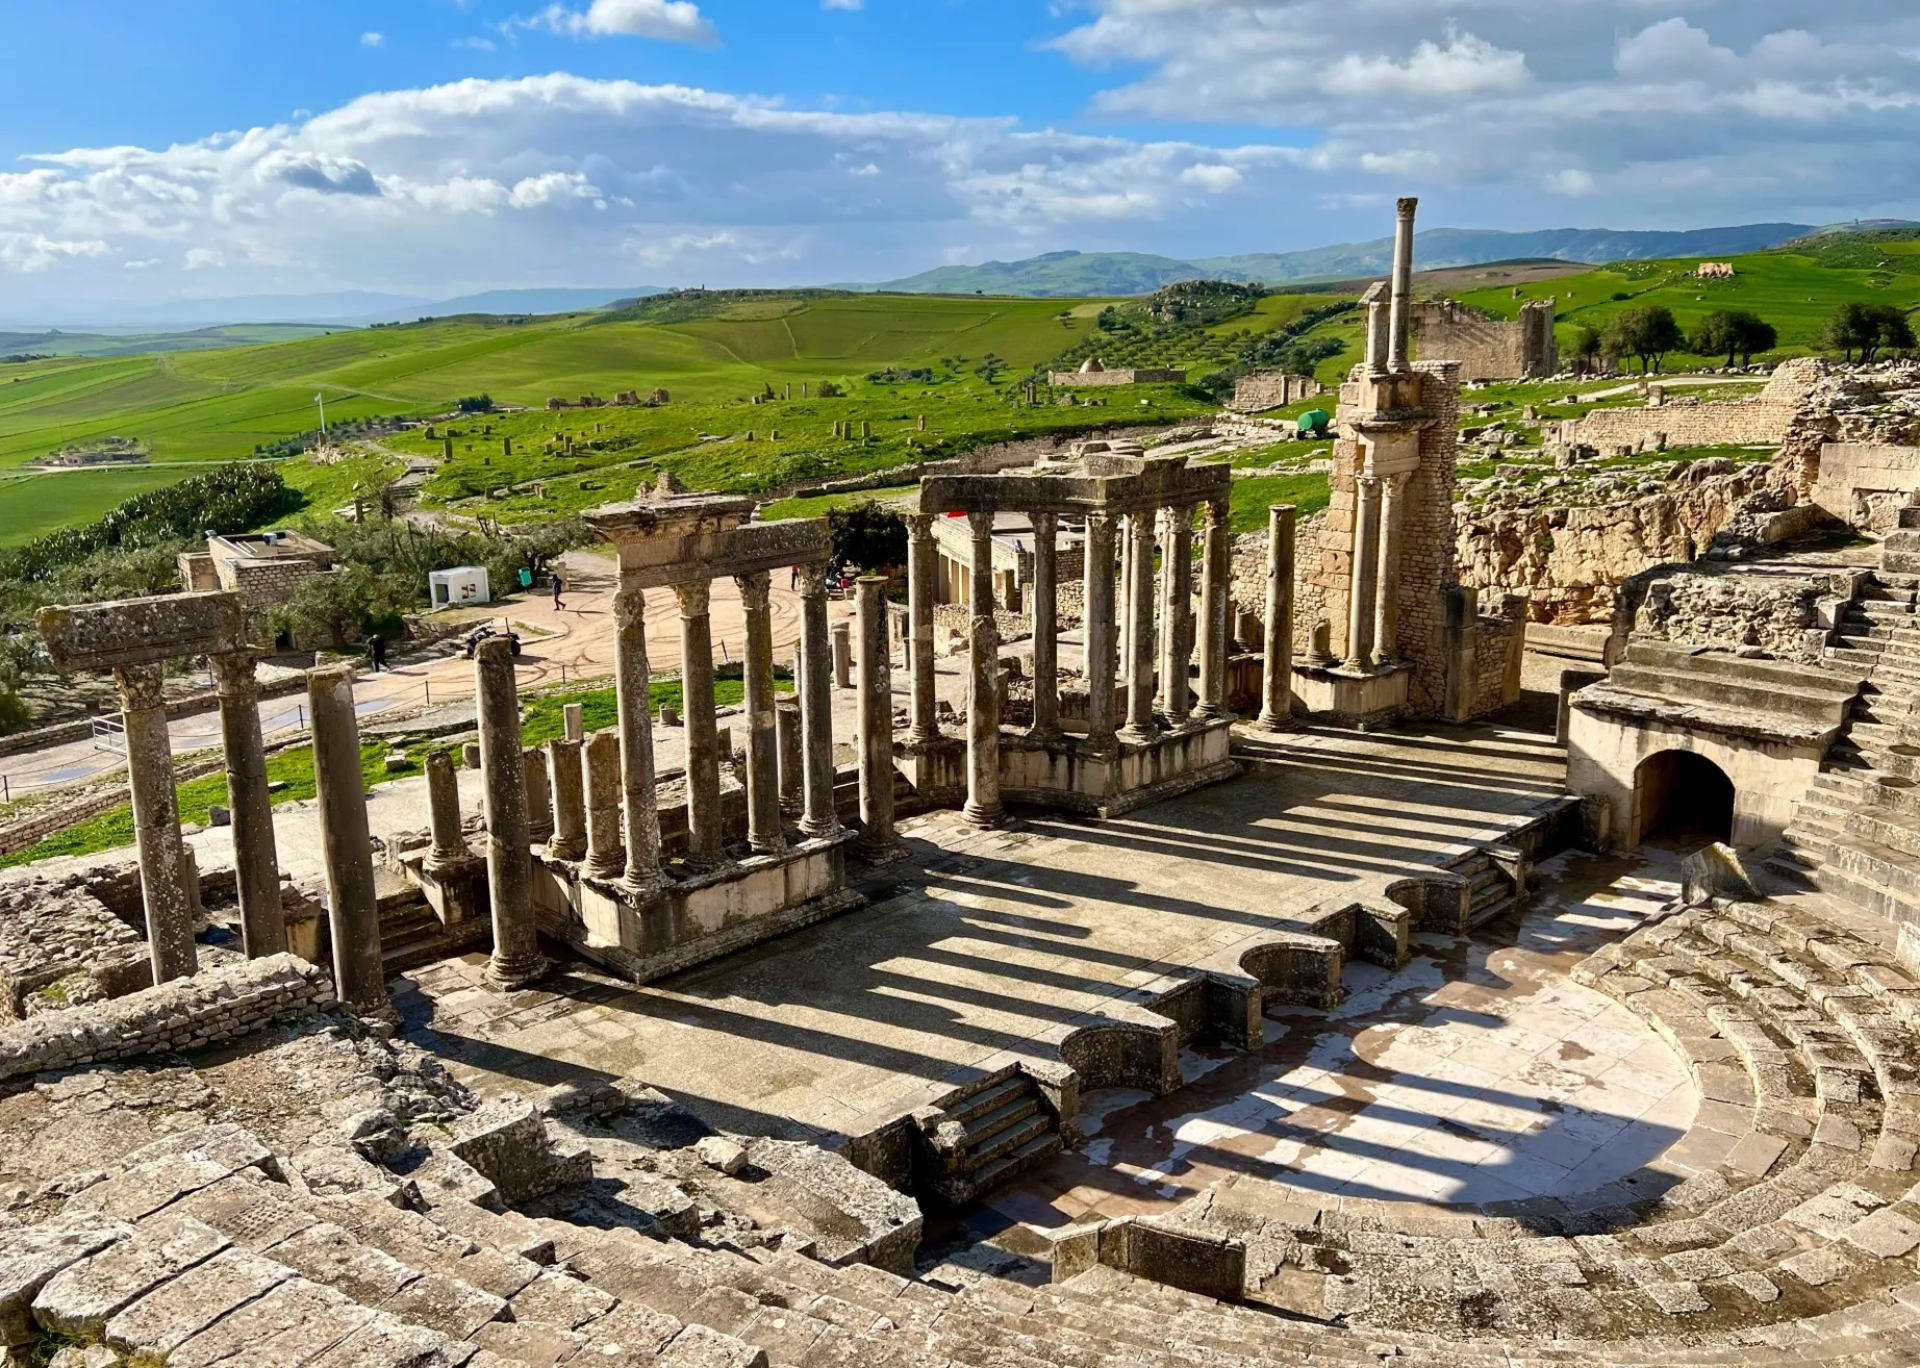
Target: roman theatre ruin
point(1119, 946)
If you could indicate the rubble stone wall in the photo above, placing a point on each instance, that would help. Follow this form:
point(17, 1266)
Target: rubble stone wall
point(264, 583)
point(1751, 422)
point(187, 1013)
point(1734, 612)
point(1271, 389)
point(1488, 348)
point(1498, 642)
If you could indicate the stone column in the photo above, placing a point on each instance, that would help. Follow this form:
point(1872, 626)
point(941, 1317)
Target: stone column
point(1098, 570)
point(843, 654)
point(346, 843)
point(443, 814)
point(632, 681)
point(256, 862)
point(1123, 657)
point(156, 820)
point(539, 797)
point(569, 800)
point(1176, 611)
point(921, 569)
point(1402, 287)
point(606, 857)
point(705, 849)
point(1386, 626)
point(763, 757)
point(516, 958)
point(1276, 710)
point(1364, 587)
point(786, 726)
point(983, 688)
point(816, 704)
point(1216, 611)
point(1140, 727)
point(877, 838)
point(1379, 323)
point(1046, 629)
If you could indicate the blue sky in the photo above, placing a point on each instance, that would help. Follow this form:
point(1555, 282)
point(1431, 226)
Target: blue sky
point(202, 148)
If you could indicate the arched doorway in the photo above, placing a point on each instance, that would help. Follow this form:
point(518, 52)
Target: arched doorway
point(1682, 797)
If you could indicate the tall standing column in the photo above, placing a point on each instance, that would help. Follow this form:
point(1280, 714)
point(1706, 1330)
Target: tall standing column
point(763, 748)
point(704, 846)
point(921, 569)
point(156, 820)
point(256, 860)
point(1386, 628)
point(1366, 569)
point(1379, 324)
point(564, 781)
point(877, 839)
point(983, 694)
point(1046, 629)
point(443, 814)
point(1123, 654)
point(1140, 727)
point(1402, 287)
point(516, 958)
point(346, 843)
point(1101, 664)
point(816, 705)
point(1276, 710)
point(633, 676)
point(1176, 611)
point(1216, 604)
point(606, 859)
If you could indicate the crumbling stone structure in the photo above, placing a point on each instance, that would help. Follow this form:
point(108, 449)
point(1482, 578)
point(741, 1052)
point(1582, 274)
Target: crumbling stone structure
point(1092, 372)
point(1488, 348)
point(1270, 389)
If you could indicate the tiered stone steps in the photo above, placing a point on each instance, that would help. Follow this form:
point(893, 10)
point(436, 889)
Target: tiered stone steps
point(1009, 1129)
point(1492, 893)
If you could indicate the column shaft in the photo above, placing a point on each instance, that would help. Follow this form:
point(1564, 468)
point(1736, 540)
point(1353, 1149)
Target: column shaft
point(1140, 727)
point(816, 704)
point(1099, 632)
point(256, 860)
point(793, 780)
point(1386, 630)
point(1276, 710)
point(565, 782)
point(606, 859)
point(539, 797)
point(877, 838)
point(443, 813)
point(1402, 287)
point(1216, 603)
point(156, 821)
point(1176, 612)
point(983, 694)
point(1046, 628)
point(763, 750)
point(346, 843)
point(516, 958)
point(1365, 577)
point(632, 683)
point(921, 570)
point(705, 847)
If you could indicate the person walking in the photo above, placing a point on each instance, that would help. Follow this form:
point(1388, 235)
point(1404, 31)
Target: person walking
point(377, 652)
point(559, 587)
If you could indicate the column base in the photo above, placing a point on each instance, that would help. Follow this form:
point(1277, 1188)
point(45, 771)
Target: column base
point(880, 853)
point(1144, 735)
point(566, 850)
point(916, 737)
point(1045, 734)
point(1274, 723)
point(982, 815)
point(509, 976)
point(608, 869)
point(820, 831)
point(642, 885)
point(1211, 712)
point(776, 846)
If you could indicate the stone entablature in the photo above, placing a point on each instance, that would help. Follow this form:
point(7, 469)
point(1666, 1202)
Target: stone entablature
point(1488, 348)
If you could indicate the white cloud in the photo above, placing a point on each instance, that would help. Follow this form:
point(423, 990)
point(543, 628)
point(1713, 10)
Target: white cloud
point(372, 39)
point(843, 4)
point(1212, 177)
point(474, 44)
point(674, 21)
point(1572, 182)
point(552, 187)
point(1464, 66)
point(31, 252)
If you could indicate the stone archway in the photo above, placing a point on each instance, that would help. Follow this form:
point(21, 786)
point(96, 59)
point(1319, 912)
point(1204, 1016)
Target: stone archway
point(1682, 796)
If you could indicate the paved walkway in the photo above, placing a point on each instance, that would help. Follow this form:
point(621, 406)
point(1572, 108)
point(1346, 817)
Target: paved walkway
point(994, 944)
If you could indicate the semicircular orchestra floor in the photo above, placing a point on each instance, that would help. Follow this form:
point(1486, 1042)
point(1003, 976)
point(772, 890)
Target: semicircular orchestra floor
point(1478, 1075)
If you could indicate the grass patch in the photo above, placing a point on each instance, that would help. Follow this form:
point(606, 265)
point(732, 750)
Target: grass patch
point(32, 505)
point(542, 716)
point(819, 505)
point(323, 488)
point(1252, 498)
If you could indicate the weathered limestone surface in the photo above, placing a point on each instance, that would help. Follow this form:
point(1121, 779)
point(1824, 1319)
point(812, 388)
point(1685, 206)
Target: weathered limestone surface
point(516, 959)
point(353, 912)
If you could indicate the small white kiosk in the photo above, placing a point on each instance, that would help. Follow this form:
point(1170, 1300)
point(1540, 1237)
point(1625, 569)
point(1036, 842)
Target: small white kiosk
point(461, 585)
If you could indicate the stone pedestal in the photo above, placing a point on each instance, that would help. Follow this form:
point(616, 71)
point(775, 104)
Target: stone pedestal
point(843, 654)
point(516, 960)
point(346, 843)
point(256, 862)
point(539, 797)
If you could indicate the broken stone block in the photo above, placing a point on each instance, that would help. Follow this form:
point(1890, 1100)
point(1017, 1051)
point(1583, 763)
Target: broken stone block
point(556, 1299)
point(698, 1347)
point(446, 1304)
point(336, 1171)
point(329, 1255)
point(29, 1258)
point(176, 1311)
point(444, 1177)
point(506, 1141)
point(77, 1301)
point(718, 1152)
point(290, 1324)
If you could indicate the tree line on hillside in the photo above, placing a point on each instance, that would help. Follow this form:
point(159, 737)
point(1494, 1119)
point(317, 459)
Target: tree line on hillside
point(1650, 333)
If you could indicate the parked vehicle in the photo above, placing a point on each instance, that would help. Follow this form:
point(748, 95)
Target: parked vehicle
point(481, 633)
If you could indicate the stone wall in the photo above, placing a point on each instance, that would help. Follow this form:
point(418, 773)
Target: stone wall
point(1079, 379)
point(1499, 639)
point(1488, 348)
point(264, 583)
point(1866, 484)
point(1250, 577)
point(1777, 616)
point(1749, 422)
point(188, 1013)
point(1569, 561)
point(1271, 389)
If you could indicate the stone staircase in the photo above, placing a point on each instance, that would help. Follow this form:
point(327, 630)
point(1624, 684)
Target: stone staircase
point(411, 935)
point(1856, 834)
point(989, 1133)
point(1492, 890)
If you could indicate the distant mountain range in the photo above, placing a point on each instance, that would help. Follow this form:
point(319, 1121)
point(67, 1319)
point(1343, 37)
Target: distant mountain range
point(343, 308)
point(1128, 273)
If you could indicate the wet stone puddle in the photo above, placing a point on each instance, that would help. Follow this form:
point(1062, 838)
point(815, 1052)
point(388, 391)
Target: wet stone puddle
point(1479, 1073)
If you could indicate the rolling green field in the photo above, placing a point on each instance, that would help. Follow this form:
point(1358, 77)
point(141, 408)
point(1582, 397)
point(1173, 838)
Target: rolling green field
point(32, 505)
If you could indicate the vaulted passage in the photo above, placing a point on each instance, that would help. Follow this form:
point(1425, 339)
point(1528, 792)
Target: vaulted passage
point(1680, 796)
